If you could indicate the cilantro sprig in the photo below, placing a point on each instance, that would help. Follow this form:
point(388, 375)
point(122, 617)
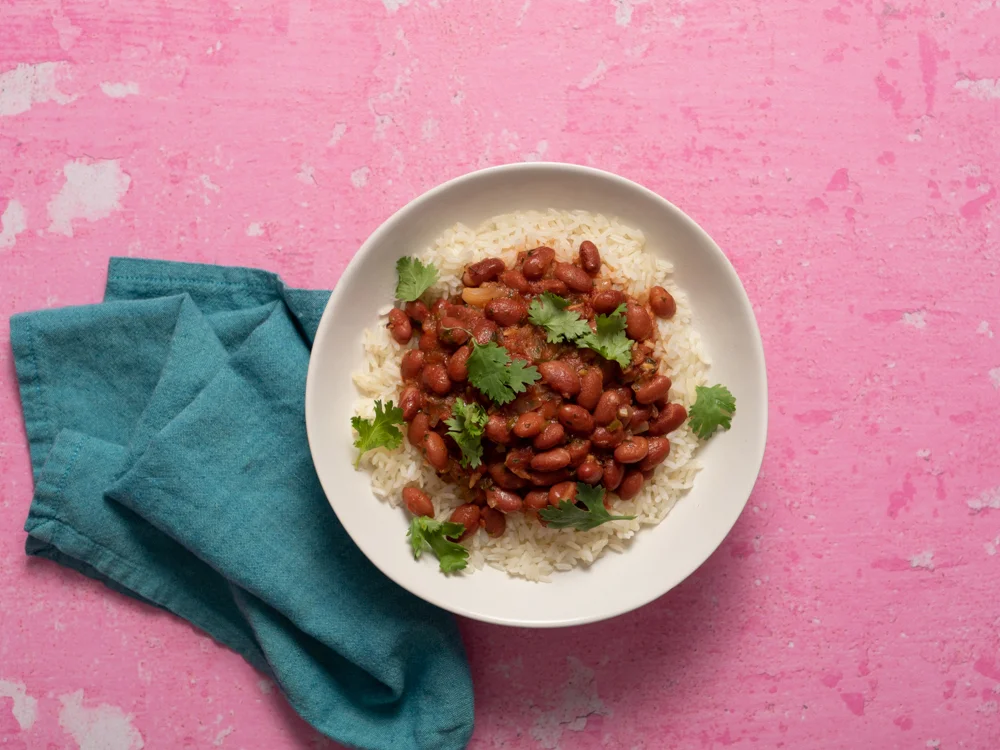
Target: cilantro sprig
point(426, 532)
point(549, 311)
point(380, 432)
point(499, 377)
point(414, 278)
point(466, 427)
point(714, 407)
point(568, 515)
point(610, 340)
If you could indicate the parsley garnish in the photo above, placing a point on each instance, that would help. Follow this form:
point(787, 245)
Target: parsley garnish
point(714, 407)
point(466, 428)
point(549, 312)
point(610, 340)
point(380, 432)
point(414, 278)
point(492, 371)
point(567, 515)
point(426, 532)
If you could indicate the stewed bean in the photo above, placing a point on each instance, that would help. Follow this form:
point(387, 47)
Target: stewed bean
point(576, 418)
point(591, 387)
point(614, 472)
point(505, 478)
point(536, 499)
point(400, 326)
point(458, 369)
point(607, 439)
point(590, 257)
point(659, 449)
point(607, 407)
point(551, 435)
point(638, 324)
point(452, 330)
point(561, 377)
point(497, 429)
point(503, 500)
point(537, 262)
point(484, 331)
point(590, 471)
point(607, 301)
point(479, 273)
point(515, 280)
point(632, 450)
point(468, 516)
point(653, 389)
point(417, 501)
point(557, 458)
point(428, 339)
point(494, 522)
point(578, 450)
point(417, 429)
point(436, 451)
point(417, 311)
point(669, 419)
point(529, 424)
point(562, 491)
point(413, 362)
point(506, 311)
point(410, 401)
point(662, 302)
point(630, 485)
point(574, 277)
point(435, 378)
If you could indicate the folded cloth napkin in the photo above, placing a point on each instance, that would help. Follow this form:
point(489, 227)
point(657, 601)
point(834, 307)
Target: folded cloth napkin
point(170, 461)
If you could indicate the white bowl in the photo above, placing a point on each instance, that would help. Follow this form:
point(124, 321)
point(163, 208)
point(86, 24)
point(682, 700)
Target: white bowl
point(659, 557)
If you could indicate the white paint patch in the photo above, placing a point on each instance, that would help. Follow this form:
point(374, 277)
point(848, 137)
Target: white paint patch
point(579, 702)
point(25, 708)
point(103, 727)
point(221, 736)
point(359, 177)
point(623, 11)
point(430, 129)
point(338, 132)
point(92, 191)
point(13, 221)
point(306, 175)
point(991, 547)
point(924, 454)
point(933, 744)
point(989, 499)
point(393, 5)
point(207, 182)
point(916, 319)
point(523, 13)
point(67, 32)
point(923, 560)
point(596, 75)
point(539, 152)
point(980, 88)
point(677, 21)
point(120, 90)
point(984, 329)
point(26, 85)
point(995, 377)
point(255, 230)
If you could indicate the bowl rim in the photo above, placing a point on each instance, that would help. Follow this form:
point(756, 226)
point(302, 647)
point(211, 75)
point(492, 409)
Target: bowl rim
point(312, 390)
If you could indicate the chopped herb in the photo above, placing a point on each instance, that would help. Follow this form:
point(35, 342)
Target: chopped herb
point(492, 371)
point(426, 532)
point(549, 311)
point(380, 432)
point(714, 407)
point(414, 278)
point(568, 515)
point(466, 428)
point(610, 340)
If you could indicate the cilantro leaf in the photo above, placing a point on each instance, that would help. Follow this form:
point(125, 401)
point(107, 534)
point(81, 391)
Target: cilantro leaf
point(610, 340)
point(713, 407)
point(414, 278)
point(466, 428)
point(426, 532)
point(492, 372)
point(567, 515)
point(549, 312)
point(380, 432)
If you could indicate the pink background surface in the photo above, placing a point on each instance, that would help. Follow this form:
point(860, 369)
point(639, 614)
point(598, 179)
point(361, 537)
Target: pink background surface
point(844, 155)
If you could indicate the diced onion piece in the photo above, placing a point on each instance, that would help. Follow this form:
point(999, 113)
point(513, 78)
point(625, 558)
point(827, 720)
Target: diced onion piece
point(480, 296)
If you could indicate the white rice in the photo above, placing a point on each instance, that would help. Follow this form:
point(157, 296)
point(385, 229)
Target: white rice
point(528, 549)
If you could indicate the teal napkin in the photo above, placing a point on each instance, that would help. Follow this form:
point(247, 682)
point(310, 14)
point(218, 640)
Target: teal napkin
point(169, 452)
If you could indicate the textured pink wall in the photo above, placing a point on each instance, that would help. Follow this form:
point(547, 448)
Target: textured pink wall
point(844, 154)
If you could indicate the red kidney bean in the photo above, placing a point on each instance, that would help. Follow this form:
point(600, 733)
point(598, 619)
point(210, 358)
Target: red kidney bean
point(614, 472)
point(630, 485)
point(411, 400)
point(497, 429)
point(494, 522)
point(438, 306)
point(452, 330)
point(624, 414)
point(506, 311)
point(400, 326)
point(413, 362)
point(668, 420)
point(537, 262)
point(548, 409)
point(659, 449)
point(557, 458)
point(653, 389)
point(417, 501)
point(638, 324)
point(518, 461)
point(607, 302)
point(560, 377)
point(578, 451)
point(417, 429)
point(607, 439)
point(428, 339)
point(549, 478)
point(562, 491)
point(529, 424)
point(590, 257)
point(458, 369)
point(506, 479)
point(590, 471)
point(417, 311)
point(436, 451)
point(591, 385)
point(549, 285)
point(515, 280)
point(503, 500)
point(484, 331)
point(483, 271)
point(550, 436)
point(607, 407)
point(662, 302)
point(640, 416)
point(536, 499)
point(574, 277)
point(468, 516)
point(576, 418)
point(435, 378)
point(632, 450)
